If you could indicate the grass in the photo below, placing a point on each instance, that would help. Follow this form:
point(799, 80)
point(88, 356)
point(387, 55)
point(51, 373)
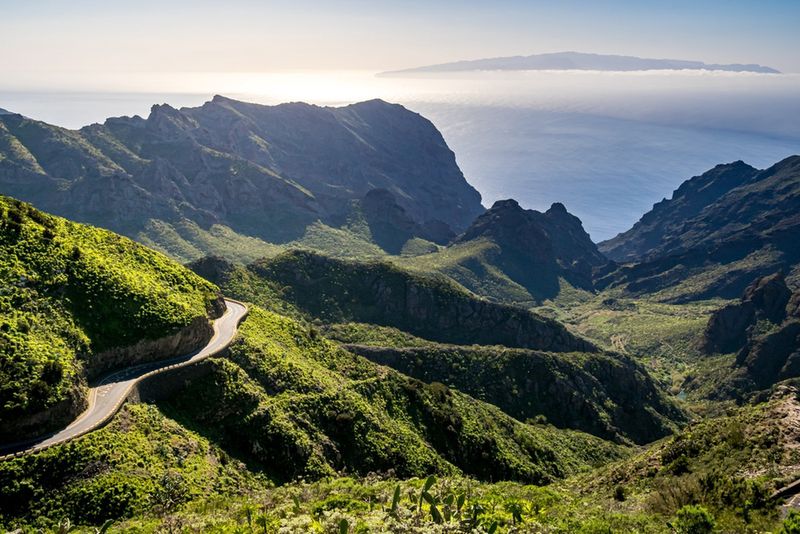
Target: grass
point(471, 265)
point(337, 242)
point(186, 241)
point(663, 336)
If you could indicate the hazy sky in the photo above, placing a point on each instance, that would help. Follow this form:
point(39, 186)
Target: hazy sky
point(45, 40)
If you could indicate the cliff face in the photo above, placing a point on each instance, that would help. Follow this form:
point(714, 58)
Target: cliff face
point(764, 327)
point(765, 299)
point(184, 341)
point(718, 232)
point(432, 307)
point(264, 171)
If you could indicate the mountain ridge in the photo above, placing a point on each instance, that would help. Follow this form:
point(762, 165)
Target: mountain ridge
point(696, 246)
point(267, 172)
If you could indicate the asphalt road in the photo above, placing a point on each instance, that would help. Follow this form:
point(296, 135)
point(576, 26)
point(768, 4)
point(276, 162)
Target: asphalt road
point(107, 396)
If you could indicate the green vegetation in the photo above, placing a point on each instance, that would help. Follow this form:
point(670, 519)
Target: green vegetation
point(425, 305)
point(605, 394)
point(140, 463)
point(664, 337)
point(292, 404)
point(473, 265)
point(186, 241)
point(373, 335)
point(729, 464)
point(337, 242)
point(70, 291)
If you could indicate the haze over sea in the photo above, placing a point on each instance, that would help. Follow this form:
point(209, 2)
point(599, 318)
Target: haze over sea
point(608, 145)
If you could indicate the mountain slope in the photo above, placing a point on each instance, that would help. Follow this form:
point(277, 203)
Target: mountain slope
point(648, 236)
point(267, 172)
point(516, 255)
point(293, 404)
point(430, 306)
point(74, 299)
point(604, 394)
point(719, 232)
point(763, 329)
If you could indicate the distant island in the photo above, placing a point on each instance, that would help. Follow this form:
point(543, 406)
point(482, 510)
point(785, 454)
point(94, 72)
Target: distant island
point(580, 61)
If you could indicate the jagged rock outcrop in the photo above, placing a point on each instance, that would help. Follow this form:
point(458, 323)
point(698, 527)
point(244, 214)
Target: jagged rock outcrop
point(264, 171)
point(765, 299)
point(764, 327)
point(535, 249)
point(717, 233)
point(667, 217)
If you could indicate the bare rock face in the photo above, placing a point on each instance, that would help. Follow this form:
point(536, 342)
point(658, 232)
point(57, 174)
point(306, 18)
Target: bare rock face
point(535, 248)
point(184, 341)
point(774, 356)
point(265, 171)
point(764, 327)
point(769, 296)
point(729, 328)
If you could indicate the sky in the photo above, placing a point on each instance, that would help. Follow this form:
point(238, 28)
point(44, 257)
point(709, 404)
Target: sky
point(45, 42)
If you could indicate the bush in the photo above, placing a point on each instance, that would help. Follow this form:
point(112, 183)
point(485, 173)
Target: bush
point(693, 519)
point(791, 525)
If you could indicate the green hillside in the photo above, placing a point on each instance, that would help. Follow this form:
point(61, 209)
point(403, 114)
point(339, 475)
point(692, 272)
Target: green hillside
point(287, 391)
point(71, 292)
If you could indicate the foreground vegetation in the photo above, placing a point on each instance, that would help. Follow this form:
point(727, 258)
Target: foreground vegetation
point(149, 474)
point(70, 291)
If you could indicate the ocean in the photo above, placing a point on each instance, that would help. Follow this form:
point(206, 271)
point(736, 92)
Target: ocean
point(607, 145)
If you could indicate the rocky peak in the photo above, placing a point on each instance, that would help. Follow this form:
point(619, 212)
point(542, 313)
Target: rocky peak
point(168, 121)
point(537, 248)
point(557, 208)
point(668, 217)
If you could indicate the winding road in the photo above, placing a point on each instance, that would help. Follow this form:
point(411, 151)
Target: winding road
point(106, 397)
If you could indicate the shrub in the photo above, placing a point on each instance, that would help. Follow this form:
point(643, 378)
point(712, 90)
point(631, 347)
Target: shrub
point(791, 525)
point(693, 519)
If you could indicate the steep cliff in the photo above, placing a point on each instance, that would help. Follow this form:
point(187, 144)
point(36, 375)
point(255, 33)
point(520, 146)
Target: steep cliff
point(430, 306)
point(718, 232)
point(262, 171)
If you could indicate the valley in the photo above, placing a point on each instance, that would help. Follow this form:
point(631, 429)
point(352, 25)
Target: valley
point(407, 361)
